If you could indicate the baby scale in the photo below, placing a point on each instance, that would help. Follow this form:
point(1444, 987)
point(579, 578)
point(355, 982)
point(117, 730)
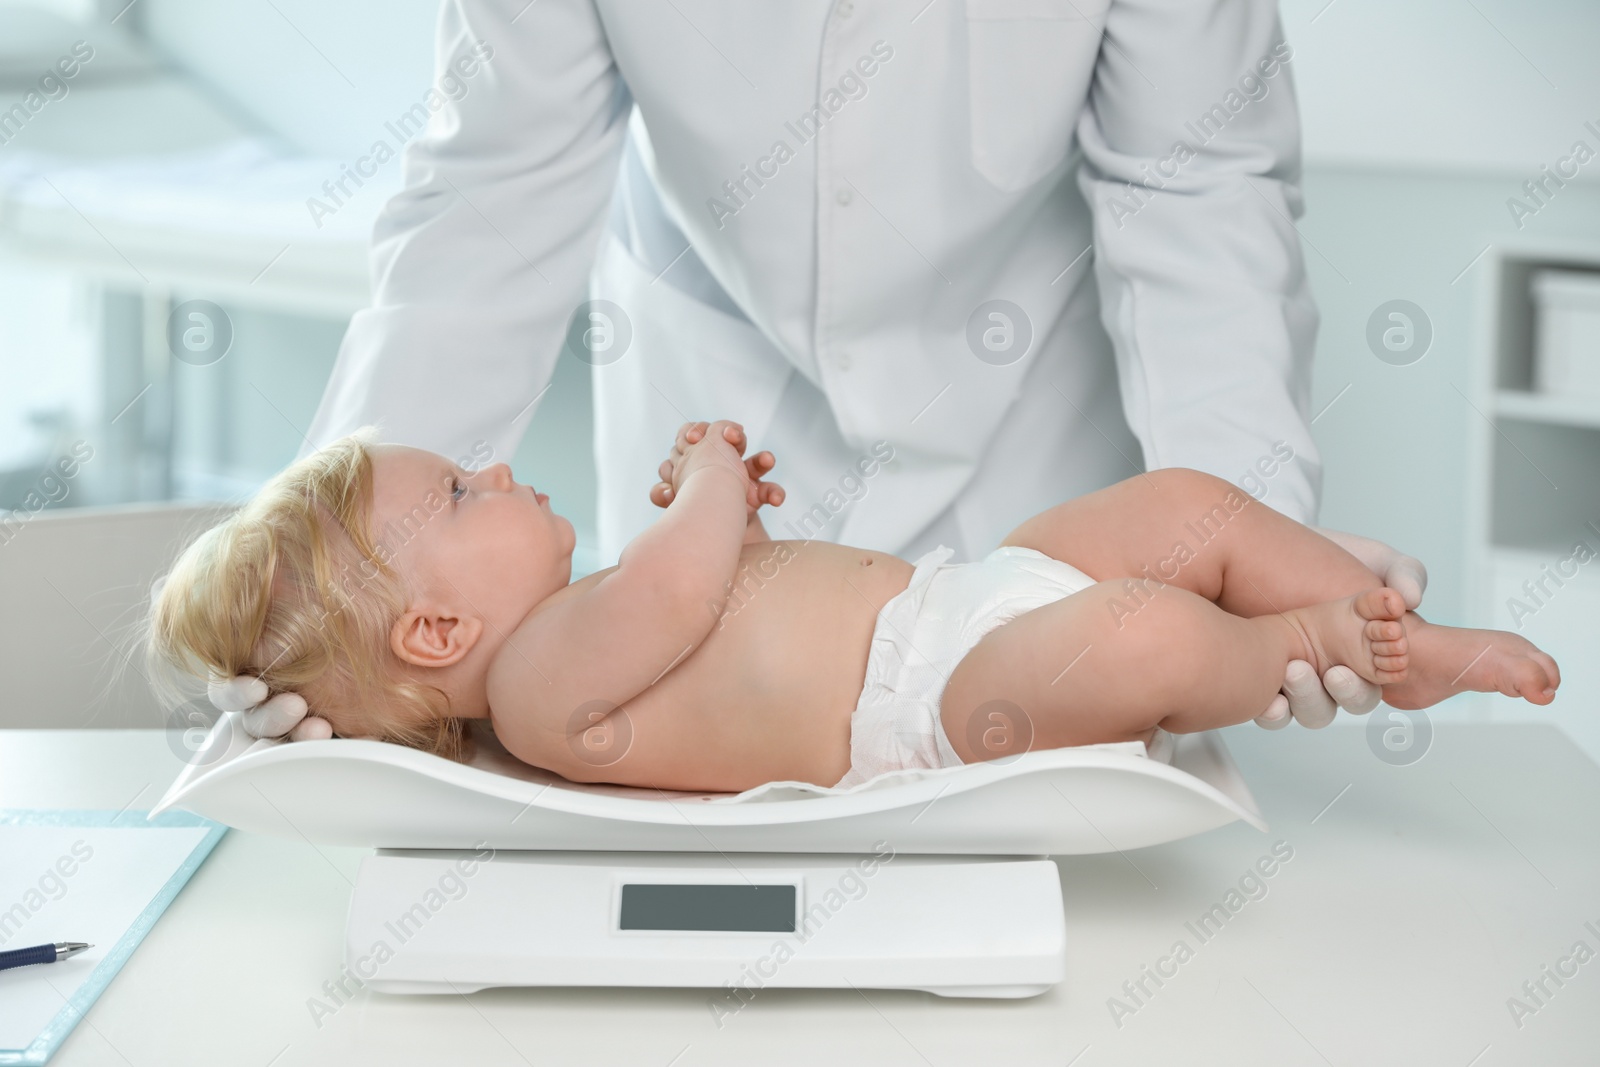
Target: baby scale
point(496, 873)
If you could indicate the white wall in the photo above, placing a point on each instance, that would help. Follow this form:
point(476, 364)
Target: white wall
point(323, 77)
point(1444, 85)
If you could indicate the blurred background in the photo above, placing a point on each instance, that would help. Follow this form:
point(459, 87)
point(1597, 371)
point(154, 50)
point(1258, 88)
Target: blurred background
point(1452, 232)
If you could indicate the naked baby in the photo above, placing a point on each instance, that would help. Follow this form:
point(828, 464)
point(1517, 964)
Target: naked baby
point(398, 595)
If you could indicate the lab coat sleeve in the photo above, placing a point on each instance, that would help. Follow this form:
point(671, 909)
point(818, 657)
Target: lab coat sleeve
point(480, 260)
point(1191, 142)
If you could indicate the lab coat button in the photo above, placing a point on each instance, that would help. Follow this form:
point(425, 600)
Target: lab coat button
point(845, 8)
point(843, 196)
point(841, 359)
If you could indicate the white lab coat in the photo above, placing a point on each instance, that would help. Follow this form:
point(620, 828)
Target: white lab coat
point(827, 303)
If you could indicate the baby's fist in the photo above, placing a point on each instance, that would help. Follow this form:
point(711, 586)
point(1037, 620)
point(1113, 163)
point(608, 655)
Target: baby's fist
point(702, 444)
point(694, 435)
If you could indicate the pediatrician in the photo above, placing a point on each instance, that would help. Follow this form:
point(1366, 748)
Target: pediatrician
point(1018, 245)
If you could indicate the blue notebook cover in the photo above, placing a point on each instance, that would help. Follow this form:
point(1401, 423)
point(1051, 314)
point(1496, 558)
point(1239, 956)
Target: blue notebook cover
point(42, 1047)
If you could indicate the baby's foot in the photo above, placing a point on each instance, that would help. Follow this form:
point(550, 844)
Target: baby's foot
point(1362, 632)
point(1446, 660)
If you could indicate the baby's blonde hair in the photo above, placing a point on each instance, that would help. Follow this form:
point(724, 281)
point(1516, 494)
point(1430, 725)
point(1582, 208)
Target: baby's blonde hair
point(292, 589)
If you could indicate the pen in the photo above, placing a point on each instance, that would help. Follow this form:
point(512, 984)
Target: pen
point(19, 957)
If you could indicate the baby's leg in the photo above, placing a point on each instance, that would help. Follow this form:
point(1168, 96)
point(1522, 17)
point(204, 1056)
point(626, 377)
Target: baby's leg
point(1077, 671)
point(1197, 532)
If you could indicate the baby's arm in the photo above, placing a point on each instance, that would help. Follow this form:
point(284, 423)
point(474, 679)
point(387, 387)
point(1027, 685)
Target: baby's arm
point(614, 640)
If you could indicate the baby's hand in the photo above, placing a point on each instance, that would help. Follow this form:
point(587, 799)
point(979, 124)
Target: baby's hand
point(693, 436)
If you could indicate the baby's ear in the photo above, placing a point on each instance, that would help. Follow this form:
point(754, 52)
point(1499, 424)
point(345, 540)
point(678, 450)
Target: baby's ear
point(426, 637)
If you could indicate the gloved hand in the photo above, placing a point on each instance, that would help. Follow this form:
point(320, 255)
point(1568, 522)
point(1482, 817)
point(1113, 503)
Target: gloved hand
point(284, 714)
point(1313, 703)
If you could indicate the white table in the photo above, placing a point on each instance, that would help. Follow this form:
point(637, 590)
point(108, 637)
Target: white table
point(1418, 900)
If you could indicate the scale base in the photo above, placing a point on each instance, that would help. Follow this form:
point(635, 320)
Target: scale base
point(445, 921)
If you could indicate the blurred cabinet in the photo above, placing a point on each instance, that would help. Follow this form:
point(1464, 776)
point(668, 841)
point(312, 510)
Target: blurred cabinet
point(1533, 536)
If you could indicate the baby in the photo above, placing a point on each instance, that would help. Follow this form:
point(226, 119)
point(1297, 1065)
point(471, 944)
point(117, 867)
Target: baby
point(400, 595)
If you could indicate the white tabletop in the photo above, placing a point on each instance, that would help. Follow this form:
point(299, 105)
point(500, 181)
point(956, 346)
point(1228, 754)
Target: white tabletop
point(1417, 901)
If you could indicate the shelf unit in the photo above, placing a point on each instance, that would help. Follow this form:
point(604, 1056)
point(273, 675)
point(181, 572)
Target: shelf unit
point(1533, 491)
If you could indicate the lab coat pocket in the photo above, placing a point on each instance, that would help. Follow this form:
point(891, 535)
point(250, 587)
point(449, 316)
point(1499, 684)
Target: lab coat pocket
point(1028, 68)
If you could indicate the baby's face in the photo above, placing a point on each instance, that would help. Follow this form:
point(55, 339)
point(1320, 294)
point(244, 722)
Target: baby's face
point(481, 543)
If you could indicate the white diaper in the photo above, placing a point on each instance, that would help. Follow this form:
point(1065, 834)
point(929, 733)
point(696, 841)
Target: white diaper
point(923, 633)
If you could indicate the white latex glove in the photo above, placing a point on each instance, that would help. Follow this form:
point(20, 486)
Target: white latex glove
point(1313, 703)
point(285, 714)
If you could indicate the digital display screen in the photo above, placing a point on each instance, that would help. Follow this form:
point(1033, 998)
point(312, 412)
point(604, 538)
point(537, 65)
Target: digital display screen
point(753, 908)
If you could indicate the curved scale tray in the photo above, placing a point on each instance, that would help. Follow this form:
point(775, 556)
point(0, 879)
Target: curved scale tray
point(1096, 798)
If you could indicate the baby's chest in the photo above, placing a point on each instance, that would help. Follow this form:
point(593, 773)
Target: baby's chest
point(793, 631)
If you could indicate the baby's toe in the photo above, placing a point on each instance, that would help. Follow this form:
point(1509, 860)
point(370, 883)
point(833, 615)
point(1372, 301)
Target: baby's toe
point(1384, 630)
point(1532, 682)
point(1551, 671)
point(1391, 662)
point(1380, 603)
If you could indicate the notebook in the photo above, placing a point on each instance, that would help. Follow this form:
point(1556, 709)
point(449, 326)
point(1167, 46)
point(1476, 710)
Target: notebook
point(102, 877)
